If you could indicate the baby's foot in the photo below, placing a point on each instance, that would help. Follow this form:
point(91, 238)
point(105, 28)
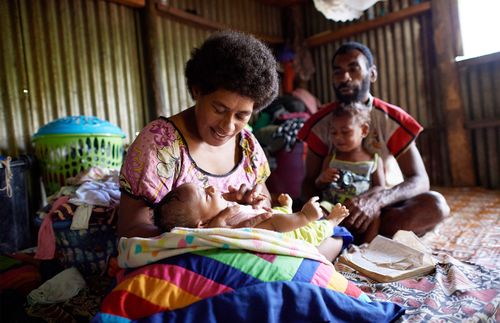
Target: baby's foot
point(285, 200)
point(337, 214)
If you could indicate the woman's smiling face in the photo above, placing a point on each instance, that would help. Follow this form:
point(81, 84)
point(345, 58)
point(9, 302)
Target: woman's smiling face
point(221, 115)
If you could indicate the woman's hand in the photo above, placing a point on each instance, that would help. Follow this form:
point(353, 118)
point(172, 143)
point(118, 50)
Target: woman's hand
point(256, 196)
point(219, 221)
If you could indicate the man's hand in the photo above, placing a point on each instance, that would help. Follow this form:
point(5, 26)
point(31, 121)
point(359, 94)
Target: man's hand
point(363, 210)
point(219, 221)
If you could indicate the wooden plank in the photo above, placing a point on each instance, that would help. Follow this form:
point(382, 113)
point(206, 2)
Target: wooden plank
point(330, 36)
point(202, 22)
point(131, 3)
point(156, 94)
point(459, 146)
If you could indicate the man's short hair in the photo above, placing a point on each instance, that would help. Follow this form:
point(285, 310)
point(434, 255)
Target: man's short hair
point(352, 45)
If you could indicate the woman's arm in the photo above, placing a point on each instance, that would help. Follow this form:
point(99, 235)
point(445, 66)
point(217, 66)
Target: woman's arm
point(258, 196)
point(135, 219)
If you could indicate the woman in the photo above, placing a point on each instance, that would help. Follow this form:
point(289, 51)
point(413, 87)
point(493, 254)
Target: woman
point(230, 76)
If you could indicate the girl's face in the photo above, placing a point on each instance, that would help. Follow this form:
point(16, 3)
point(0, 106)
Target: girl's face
point(221, 115)
point(347, 134)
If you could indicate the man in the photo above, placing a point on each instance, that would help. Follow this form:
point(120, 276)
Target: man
point(408, 205)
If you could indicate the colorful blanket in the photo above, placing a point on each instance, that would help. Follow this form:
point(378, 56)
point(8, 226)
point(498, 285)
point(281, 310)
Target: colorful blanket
point(224, 275)
point(135, 252)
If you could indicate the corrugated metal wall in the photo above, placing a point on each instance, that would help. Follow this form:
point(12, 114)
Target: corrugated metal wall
point(68, 57)
point(480, 83)
point(85, 57)
point(177, 39)
point(405, 73)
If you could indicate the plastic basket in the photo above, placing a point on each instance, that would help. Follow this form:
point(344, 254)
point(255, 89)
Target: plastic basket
point(88, 250)
point(67, 146)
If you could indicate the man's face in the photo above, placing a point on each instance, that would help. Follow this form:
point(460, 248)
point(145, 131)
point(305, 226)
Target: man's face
point(352, 77)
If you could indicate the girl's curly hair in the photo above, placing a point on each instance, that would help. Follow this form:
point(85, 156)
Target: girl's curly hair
point(236, 62)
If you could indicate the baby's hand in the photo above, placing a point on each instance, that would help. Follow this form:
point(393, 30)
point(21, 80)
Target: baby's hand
point(312, 210)
point(337, 214)
point(285, 200)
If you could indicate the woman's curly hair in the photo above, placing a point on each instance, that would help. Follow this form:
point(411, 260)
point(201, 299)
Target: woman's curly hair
point(236, 62)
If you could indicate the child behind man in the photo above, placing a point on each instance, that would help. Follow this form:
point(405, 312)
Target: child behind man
point(192, 206)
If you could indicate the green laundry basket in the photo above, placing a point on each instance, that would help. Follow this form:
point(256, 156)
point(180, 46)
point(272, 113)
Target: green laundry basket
point(69, 145)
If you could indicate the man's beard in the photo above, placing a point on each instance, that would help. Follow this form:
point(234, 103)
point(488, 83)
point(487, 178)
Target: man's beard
point(358, 93)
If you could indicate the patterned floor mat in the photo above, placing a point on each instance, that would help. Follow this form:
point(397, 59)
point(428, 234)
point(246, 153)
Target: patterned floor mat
point(466, 283)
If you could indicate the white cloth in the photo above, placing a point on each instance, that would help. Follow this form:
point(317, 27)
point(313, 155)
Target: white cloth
point(97, 193)
point(59, 288)
point(81, 217)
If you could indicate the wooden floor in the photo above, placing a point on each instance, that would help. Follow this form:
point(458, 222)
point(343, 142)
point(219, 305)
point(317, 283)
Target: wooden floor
point(472, 231)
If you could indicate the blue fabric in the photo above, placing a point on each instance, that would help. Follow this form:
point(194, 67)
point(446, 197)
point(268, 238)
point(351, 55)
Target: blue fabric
point(342, 232)
point(281, 302)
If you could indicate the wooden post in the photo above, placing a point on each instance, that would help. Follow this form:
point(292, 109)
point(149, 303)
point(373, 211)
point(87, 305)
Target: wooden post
point(154, 86)
point(460, 156)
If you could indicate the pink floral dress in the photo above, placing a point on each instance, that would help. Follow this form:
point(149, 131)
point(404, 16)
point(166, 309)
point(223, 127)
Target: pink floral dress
point(158, 161)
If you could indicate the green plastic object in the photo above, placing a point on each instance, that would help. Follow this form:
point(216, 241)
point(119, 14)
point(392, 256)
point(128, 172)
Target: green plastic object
point(70, 145)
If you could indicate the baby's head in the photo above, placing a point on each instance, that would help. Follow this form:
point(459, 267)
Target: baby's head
point(350, 124)
point(189, 205)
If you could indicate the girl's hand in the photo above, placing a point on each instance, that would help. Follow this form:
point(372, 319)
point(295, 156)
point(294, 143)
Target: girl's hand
point(327, 176)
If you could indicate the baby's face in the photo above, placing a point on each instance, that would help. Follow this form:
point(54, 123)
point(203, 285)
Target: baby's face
point(208, 202)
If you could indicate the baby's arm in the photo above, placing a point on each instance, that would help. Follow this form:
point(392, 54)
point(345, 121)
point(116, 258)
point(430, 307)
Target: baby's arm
point(289, 222)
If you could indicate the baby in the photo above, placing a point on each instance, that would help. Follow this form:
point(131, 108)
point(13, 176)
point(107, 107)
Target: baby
point(192, 206)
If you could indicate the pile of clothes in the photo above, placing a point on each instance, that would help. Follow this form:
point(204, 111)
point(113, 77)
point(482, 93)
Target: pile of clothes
point(77, 226)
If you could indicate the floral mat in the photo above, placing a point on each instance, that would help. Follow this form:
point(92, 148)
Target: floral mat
point(466, 283)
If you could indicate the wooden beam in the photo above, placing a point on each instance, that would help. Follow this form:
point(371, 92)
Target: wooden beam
point(156, 89)
point(480, 60)
point(481, 124)
point(131, 3)
point(202, 22)
point(330, 36)
point(459, 147)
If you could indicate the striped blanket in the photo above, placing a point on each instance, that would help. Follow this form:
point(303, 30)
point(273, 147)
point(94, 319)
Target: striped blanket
point(228, 283)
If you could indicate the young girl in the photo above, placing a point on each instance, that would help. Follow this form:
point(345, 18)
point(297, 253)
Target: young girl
point(350, 169)
point(193, 206)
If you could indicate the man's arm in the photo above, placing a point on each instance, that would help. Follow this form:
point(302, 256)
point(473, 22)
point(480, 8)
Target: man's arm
point(364, 208)
point(416, 180)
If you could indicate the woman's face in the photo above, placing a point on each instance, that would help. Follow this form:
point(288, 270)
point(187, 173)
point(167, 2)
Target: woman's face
point(221, 115)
